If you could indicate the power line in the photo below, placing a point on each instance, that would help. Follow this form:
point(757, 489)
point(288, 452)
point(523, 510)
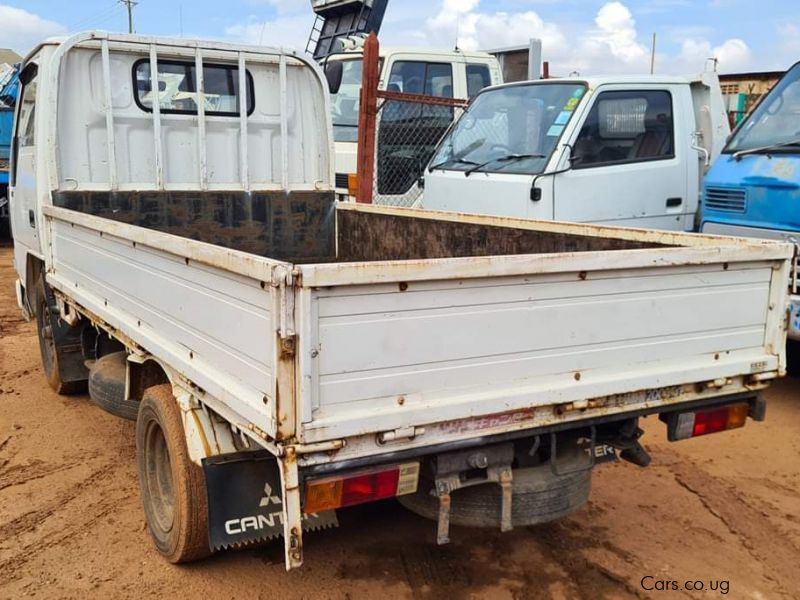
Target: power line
point(129, 4)
point(100, 16)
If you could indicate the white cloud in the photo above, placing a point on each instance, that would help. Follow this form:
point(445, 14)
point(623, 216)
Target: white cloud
point(732, 55)
point(479, 30)
point(611, 43)
point(22, 30)
point(616, 33)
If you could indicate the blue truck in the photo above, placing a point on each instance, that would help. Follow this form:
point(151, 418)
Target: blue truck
point(9, 86)
point(753, 189)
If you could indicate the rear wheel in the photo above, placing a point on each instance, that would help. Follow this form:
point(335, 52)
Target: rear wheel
point(59, 345)
point(172, 486)
point(538, 496)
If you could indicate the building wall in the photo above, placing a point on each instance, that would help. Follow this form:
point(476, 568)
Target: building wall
point(742, 91)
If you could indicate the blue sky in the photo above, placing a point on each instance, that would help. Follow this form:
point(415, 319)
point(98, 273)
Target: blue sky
point(587, 36)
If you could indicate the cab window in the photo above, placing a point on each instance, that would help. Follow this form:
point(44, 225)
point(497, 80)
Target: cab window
point(625, 127)
point(478, 77)
point(413, 77)
point(408, 131)
point(344, 103)
point(177, 88)
point(25, 125)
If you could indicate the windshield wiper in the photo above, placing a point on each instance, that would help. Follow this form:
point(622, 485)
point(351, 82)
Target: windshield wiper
point(738, 155)
point(506, 158)
point(459, 160)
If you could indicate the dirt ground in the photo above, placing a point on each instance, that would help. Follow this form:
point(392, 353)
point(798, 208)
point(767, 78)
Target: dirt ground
point(723, 511)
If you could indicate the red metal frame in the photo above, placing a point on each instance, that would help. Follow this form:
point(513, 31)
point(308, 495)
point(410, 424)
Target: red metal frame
point(368, 115)
point(367, 119)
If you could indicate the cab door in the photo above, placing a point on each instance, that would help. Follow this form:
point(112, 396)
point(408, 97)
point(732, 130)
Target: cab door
point(408, 132)
point(23, 168)
point(629, 165)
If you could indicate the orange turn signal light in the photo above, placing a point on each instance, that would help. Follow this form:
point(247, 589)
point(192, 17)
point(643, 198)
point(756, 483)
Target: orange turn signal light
point(352, 184)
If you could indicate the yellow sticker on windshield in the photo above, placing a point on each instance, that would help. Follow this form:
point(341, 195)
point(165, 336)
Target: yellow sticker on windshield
point(571, 104)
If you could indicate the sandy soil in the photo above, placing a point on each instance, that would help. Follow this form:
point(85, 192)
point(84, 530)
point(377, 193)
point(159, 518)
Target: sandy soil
point(725, 508)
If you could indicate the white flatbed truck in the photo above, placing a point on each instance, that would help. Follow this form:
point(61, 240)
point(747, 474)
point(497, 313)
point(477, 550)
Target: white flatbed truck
point(286, 356)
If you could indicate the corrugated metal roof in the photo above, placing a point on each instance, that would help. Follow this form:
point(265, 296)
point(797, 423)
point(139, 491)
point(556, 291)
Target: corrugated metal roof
point(9, 56)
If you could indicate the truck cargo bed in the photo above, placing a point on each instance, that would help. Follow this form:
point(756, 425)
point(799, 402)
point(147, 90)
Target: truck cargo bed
point(424, 319)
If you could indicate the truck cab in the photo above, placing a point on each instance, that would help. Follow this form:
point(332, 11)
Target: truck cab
point(615, 150)
point(753, 189)
point(442, 73)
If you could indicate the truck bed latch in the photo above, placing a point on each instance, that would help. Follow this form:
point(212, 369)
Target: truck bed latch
point(403, 433)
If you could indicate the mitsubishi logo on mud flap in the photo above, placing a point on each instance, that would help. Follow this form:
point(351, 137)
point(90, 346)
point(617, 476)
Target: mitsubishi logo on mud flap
point(245, 500)
point(268, 497)
point(259, 521)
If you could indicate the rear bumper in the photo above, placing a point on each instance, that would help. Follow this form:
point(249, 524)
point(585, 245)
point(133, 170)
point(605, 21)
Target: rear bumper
point(525, 422)
point(754, 398)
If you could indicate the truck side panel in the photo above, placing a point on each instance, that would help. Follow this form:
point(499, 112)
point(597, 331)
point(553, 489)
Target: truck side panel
point(472, 347)
point(213, 326)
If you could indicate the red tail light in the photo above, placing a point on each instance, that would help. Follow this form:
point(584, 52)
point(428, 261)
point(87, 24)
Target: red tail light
point(349, 489)
point(681, 426)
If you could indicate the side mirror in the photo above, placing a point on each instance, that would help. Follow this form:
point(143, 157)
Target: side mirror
point(573, 158)
point(333, 73)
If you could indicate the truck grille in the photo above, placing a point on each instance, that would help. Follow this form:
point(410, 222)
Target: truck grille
point(341, 180)
point(727, 199)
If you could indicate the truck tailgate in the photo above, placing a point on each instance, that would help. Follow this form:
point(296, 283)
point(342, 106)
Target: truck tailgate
point(384, 356)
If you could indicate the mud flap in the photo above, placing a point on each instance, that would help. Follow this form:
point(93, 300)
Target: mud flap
point(245, 503)
point(69, 351)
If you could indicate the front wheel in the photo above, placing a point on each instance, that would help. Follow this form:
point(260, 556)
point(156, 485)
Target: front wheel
point(172, 486)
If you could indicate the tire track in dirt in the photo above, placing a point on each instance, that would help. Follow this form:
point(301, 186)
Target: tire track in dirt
point(80, 520)
point(762, 540)
point(10, 325)
point(565, 543)
point(31, 471)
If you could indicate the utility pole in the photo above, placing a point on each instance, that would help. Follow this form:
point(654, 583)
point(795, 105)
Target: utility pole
point(130, 4)
point(653, 54)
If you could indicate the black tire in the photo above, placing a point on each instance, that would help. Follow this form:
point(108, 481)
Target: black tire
point(59, 345)
point(107, 386)
point(173, 487)
point(539, 496)
point(793, 358)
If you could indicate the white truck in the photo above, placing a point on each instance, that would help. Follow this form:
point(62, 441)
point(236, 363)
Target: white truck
point(176, 229)
point(622, 150)
point(423, 71)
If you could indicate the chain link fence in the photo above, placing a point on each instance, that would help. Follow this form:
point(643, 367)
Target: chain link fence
point(408, 129)
point(397, 135)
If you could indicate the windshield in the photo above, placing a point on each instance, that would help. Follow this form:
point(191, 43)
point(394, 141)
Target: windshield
point(344, 104)
point(510, 130)
point(776, 120)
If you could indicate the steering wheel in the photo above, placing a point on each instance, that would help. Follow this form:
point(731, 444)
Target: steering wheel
point(501, 147)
